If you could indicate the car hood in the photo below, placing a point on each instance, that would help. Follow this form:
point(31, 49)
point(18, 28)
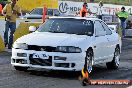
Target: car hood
point(52, 39)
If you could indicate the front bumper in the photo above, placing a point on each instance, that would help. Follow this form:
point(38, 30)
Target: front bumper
point(24, 58)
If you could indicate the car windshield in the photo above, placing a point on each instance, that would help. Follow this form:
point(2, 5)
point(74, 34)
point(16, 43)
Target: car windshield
point(37, 11)
point(68, 25)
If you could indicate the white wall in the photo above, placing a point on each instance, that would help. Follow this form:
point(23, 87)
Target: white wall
point(72, 7)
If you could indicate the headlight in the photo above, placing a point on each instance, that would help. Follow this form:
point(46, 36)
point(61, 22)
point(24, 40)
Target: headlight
point(68, 49)
point(20, 46)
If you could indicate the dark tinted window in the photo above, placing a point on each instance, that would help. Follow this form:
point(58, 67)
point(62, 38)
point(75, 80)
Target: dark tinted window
point(68, 25)
point(56, 12)
point(49, 12)
point(37, 11)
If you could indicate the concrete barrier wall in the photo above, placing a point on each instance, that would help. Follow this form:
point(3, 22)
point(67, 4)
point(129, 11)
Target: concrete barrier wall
point(2, 24)
point(23, 29)
point(2, 27)
point(2, 46)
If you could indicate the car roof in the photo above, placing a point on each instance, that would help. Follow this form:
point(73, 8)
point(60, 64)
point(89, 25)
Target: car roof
point(77, 17)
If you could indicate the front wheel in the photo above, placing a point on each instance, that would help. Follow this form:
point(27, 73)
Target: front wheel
point(89, 57)
point(21, 68)
point(114, 64)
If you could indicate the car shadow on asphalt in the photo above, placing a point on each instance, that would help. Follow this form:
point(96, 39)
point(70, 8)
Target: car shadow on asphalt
point(72, 75)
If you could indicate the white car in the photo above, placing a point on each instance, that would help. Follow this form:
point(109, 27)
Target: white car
point(64, 43)
point(37, 13)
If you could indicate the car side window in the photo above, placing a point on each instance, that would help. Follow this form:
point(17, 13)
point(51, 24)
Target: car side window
point(37, 11)
point(50, 12)
point(99, 30)
point(108, 31)
point(56, 12)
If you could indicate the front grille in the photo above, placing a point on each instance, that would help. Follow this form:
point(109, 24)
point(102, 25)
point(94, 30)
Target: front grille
point(41, 48)
point(39, 61)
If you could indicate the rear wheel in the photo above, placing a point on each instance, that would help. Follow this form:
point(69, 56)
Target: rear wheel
point(21, 68)
point(114, 64)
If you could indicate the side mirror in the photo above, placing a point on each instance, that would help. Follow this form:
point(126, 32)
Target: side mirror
point(32, 28)
point(100, 33)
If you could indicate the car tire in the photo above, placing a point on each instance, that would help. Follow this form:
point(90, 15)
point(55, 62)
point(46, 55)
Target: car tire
point(21, 68)
point(89, 57)
point(84, 82)
point(114, 64)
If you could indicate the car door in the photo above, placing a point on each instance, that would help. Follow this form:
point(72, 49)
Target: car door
point(112, 40)
point(100, 42)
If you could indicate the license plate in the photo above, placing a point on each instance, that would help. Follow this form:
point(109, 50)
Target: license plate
point(42, 56)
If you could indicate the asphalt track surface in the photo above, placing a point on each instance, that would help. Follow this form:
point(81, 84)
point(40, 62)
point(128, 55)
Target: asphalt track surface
point(39, 78)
